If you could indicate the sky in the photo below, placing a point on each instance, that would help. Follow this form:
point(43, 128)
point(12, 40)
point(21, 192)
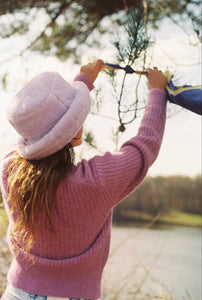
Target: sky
point(180, 153)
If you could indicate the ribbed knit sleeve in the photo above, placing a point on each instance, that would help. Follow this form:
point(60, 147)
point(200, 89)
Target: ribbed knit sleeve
point(122, 172)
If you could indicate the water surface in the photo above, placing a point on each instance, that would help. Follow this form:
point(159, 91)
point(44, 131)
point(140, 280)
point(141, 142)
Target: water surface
point(147, 264)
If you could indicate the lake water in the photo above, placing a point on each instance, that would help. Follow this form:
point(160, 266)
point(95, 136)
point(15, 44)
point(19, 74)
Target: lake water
point(148, 264)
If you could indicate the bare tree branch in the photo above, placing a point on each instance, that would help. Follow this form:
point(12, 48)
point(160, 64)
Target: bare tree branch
point(51, 23)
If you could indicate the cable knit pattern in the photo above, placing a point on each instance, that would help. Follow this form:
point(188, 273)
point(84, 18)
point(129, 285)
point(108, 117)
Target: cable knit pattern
point(70, 262)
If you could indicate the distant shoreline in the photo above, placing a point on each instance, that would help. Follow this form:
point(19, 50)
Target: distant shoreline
point(170, 218)
point(131, 218)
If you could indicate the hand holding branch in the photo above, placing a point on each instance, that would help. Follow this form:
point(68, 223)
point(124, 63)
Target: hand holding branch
point(92, 70)
point(156, 79)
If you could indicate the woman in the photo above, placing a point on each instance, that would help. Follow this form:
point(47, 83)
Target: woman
point(60, 213)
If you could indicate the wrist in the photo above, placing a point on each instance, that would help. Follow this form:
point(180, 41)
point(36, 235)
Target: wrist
point(157, 91)
point(160, 88)
point(82, 77)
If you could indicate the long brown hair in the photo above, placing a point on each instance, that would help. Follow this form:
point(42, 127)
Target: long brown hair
point(32, 187)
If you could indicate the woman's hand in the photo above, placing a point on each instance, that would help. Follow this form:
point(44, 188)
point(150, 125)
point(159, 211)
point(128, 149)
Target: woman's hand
point(156, 79)
point(92, 70)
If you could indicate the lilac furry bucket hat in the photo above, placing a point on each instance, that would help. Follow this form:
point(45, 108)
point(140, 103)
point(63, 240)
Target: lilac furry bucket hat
point(47, 114)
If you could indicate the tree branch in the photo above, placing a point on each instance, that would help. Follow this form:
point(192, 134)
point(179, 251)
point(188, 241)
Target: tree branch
point(119, 101)
point(51, 23)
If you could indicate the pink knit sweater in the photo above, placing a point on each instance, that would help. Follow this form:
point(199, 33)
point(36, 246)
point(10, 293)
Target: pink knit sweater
point(70, 262)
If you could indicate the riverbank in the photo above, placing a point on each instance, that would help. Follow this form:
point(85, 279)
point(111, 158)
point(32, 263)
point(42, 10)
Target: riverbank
point(150, 258)
point(172, 217)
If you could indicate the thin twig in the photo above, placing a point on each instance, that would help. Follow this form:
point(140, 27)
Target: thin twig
point(120, 98)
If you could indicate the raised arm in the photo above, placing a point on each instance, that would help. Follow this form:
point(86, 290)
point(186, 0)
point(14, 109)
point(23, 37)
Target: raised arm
point(121, 172)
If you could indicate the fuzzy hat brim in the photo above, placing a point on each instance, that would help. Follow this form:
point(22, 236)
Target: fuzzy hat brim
point(63, 131)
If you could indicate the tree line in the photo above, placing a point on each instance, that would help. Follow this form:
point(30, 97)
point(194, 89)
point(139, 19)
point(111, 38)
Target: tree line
point(162, 194)
point(70, 23)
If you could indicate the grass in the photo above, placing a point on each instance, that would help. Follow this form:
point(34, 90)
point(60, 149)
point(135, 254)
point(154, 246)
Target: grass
point(181, 218)
point(172, 217)
point(3, 221)
point(136, 290)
